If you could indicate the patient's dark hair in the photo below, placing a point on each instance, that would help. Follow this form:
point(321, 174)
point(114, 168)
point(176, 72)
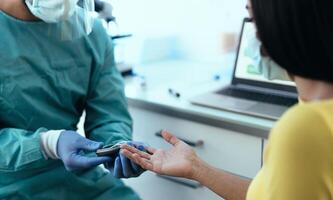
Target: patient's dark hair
point(298, 35)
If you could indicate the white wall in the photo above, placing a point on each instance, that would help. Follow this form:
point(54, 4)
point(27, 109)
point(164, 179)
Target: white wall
point(190, 29)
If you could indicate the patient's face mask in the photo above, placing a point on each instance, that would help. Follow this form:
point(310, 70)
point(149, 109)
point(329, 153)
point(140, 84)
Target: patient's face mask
point(52, 11)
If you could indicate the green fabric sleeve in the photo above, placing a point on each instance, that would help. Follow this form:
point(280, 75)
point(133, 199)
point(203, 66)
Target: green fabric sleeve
point(107, 117)
point(20, 149)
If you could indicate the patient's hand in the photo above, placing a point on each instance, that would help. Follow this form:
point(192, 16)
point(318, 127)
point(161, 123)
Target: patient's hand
point(179, 161)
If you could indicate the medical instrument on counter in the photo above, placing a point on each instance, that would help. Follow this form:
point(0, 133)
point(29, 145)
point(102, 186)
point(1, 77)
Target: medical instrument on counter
point(104, 10)
point(174, 93)
point(120, 43)
point(109, 150)
point(116, 37)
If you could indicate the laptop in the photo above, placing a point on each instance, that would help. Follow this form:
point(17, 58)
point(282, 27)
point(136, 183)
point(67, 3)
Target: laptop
point(251, 91)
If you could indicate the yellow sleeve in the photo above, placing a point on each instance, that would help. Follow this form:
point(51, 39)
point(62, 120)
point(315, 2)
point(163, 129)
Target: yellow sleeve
point(298, 159)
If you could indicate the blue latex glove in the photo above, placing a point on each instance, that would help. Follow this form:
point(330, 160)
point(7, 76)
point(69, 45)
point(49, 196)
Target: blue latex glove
point(122, 167)
point(72, 147)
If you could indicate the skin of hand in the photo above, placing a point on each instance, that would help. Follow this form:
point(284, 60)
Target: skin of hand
point(182, 161)
point(178, 161)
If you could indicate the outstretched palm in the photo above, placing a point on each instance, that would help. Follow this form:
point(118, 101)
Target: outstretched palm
point(177, 161)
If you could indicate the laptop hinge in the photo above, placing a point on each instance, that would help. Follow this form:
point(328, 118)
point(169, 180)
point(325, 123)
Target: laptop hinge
point(266, 90)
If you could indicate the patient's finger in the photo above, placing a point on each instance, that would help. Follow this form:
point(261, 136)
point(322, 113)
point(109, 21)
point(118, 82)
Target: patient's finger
point(170, 138)
point(135, 150)
point(144, 163)
point(150, 150)
point(130, 155)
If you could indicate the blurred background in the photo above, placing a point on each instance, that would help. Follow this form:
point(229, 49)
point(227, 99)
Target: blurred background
point(197, 30)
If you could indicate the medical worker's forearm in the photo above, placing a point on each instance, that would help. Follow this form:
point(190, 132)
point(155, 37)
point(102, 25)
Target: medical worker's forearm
point(20, 148)
point(107, 116)
point(226, 185)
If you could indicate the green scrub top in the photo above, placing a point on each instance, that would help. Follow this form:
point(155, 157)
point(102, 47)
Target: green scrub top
point(46, 84)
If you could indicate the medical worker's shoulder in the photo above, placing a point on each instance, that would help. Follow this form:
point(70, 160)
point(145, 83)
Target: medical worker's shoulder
point(98, 37)
point(99, 29)
point(100, 41)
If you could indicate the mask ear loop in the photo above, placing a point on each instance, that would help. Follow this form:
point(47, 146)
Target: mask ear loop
point(88, 6)
point(63, 27)
point(70, 25)
point(66, 10)
point(33, 3)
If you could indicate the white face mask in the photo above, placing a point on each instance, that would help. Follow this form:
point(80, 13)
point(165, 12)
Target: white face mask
point(52, 11)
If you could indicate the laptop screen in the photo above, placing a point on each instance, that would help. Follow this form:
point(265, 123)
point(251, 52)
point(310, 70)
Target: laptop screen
point(252, 65)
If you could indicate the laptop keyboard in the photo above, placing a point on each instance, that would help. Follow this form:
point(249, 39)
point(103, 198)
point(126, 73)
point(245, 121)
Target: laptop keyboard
point(261, 97)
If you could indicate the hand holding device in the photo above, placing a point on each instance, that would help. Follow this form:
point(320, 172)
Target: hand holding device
point(72, 148)
point(110, 150)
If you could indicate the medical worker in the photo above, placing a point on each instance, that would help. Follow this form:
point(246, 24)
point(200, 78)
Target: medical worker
point(298, 161)
point(56, 61)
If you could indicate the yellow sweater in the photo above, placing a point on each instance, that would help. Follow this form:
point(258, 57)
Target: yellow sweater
point(298, 160)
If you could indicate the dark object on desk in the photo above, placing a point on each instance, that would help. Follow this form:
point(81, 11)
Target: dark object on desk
point(109, 150)
point(127, 73)
point(198, 143)
point(105, 10)
point(116, 37)
point(174, 93)
point(101, 7)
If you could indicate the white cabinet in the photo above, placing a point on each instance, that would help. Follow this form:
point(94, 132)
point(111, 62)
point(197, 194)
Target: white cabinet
point(264, 146)
point(151, 187)
point(234, 152)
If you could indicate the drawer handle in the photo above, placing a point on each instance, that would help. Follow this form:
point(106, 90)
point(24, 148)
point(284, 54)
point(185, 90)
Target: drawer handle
point(198, 143)
point(182, 181)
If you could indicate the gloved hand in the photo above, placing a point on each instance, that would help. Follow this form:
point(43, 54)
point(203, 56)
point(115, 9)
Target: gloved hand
point(122, 167)
point(72, 147)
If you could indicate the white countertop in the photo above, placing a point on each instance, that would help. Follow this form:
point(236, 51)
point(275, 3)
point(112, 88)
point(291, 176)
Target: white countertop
point(189, 79)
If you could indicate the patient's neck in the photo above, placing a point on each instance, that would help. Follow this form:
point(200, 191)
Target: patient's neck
point(313, 90)
point(17, 9)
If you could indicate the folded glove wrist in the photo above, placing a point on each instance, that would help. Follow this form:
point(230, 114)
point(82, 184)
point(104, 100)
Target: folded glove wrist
point(74, 151)
point(49, 141)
